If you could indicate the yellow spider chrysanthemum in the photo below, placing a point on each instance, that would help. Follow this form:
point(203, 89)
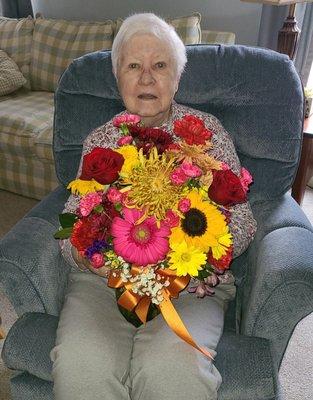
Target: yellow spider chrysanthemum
point(81, 187)
point(149, 185)
point(202, 226)
point(185, 259)
point(130, 154)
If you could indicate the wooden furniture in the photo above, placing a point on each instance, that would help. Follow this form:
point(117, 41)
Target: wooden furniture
point(289, 34)
point(305, 169)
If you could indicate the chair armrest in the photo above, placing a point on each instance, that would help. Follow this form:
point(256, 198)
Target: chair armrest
point(212, 37)
point(28, 344)
point(32, 270)
point(278, 289)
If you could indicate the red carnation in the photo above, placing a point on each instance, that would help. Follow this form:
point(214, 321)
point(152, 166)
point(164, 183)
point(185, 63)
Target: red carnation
point(222, 263)
point(146, 138)
point(94, 227)
point(192, 130)
point(226, 188)
point(103, 165)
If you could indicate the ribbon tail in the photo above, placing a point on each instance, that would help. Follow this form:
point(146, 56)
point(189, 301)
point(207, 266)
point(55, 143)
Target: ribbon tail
point(142, 309)
point(176, 324)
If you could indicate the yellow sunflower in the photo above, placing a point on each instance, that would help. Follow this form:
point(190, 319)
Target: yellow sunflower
point(203, 226)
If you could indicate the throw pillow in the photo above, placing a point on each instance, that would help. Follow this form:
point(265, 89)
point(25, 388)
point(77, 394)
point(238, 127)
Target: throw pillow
point(57, 42)
point(16, 40)
point(187, 27)
point(11, 77)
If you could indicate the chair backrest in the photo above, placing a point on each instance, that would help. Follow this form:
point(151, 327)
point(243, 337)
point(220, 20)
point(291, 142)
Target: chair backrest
point(255, 93)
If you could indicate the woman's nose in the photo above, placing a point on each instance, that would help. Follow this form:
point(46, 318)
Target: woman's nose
point(146, 77)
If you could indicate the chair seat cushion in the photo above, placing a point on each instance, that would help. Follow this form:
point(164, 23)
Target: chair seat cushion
point(244, 362)
point(26, 120)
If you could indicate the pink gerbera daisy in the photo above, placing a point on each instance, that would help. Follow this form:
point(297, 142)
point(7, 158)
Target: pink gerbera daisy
point(142, 243)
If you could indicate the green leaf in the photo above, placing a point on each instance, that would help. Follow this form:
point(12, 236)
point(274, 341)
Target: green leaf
point(63, 233)
point(118, 207)
point(99, 209)
point(67, 220)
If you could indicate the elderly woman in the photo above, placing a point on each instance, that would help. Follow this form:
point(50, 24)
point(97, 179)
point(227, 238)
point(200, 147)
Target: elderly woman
point(98, 354)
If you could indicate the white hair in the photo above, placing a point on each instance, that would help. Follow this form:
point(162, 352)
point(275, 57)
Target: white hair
point(149, 23)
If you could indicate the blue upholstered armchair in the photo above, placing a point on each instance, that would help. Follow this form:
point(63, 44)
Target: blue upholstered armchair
point(258, 97)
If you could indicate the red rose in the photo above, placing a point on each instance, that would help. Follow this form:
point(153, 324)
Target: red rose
point(226, 188)
point(103, 165)
point(192, 130)
point(224, 262)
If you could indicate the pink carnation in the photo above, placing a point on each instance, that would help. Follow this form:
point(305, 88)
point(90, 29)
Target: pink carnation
point(114, 195)
point(245, 178)
point(178, 177)
point(124, 140)
point(143, 243)
point(126, 119)
point(97, 260)
point(184, 205)
point(192, 171)
point(89, 202)
point(171, 219)
point(225, 166)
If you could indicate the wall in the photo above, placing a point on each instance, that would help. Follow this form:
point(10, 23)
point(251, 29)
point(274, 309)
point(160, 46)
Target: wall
point(230, 15)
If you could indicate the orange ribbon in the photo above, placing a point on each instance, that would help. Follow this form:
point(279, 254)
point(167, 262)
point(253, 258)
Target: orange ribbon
point(140, 304)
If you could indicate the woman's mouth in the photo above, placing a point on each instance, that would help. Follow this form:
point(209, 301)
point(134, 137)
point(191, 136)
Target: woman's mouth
point(147, 96)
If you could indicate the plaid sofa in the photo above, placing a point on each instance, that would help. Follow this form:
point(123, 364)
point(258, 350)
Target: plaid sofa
point(42, 49)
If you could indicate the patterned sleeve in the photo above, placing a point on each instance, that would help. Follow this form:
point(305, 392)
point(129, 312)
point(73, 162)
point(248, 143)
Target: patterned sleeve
point(243, 225)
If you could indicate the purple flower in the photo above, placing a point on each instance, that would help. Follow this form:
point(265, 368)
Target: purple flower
point(96, 247)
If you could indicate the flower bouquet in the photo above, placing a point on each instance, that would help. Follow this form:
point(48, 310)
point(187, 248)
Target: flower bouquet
point(154, 211)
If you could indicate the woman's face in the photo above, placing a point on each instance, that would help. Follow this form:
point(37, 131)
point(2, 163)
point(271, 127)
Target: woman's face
point(147, 78)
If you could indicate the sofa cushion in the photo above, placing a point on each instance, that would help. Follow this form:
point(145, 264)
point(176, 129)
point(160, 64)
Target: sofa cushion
point(16, 40)
point(11, 77)
point(27, 176)
point(188, 27)
point(212, 37)
point(26, 120)
point(57, 42)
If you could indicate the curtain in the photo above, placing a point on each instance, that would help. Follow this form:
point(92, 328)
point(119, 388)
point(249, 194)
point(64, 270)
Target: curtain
point(304, 55)
point(16, 8)
point(272, 20)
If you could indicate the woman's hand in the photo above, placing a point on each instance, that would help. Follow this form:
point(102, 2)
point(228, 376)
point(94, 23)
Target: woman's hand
point(84, 263)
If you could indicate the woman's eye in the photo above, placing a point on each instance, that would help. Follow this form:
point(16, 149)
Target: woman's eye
point(160, 64)
point(133, 65)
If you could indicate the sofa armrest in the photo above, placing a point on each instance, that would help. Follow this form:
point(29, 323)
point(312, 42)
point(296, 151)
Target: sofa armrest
point(32, 270)
point(212, 37)
point(278, 288)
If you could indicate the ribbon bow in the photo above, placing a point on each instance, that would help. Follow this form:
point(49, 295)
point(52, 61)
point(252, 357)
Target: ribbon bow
point(140, 304)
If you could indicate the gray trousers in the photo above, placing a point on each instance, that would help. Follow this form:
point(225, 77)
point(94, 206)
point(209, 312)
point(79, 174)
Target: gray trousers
point(100, 356)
